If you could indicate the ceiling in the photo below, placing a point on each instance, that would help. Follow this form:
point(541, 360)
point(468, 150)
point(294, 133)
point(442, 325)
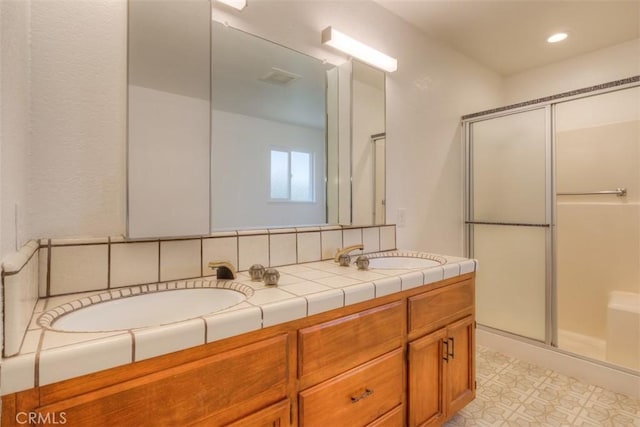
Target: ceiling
point(509, 36)
point(240, 64)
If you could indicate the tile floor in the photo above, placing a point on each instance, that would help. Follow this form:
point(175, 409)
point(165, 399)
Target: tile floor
point(515, 393)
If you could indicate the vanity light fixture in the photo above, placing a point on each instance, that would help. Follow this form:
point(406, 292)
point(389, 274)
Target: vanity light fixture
point(557, 37)
point(236, 4)
point(336, 39)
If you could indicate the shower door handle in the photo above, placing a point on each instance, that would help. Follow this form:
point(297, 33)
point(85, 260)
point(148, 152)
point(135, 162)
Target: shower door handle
point(453, 348)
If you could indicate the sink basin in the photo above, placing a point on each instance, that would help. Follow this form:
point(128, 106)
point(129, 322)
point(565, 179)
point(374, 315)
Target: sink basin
point(142, 310)
point(402, 262)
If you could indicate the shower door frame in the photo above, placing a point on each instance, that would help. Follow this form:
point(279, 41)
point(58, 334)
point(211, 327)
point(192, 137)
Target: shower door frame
point(549, 103)
point(549, 221)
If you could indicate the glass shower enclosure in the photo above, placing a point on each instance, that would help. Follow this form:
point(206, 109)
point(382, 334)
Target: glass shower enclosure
point(553, 216)
point(509, 220)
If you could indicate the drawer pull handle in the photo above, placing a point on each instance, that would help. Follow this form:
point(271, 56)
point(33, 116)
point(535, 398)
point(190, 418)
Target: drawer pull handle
point(368, 392)
point(446, 350)
point(453, 348)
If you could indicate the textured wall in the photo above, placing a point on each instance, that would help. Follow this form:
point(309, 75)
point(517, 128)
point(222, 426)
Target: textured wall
point(77, 163)
point(14, 125)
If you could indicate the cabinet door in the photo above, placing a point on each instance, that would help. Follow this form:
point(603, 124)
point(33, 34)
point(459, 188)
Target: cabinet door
point(426, 379)
point(460, 365)
point(276, 415)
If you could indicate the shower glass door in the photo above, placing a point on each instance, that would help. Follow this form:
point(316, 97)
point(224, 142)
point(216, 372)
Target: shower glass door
point(508, 217)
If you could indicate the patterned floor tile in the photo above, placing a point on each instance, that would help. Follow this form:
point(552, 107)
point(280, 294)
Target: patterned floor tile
point(616, 400)
point(547, 412)
point(608, 416)
point(515, 393)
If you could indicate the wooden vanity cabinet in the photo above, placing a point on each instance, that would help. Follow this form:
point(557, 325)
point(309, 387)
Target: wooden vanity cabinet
point(357, 397)
point(401, 359)
point(356, 363)
point(460, 365)
point(276, 415)
point(332, 347)
point(212, 391)
point(393, 418)
point(426, 381)
point(441, 362)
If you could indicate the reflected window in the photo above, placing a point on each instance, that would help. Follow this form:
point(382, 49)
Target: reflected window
point(292, 176)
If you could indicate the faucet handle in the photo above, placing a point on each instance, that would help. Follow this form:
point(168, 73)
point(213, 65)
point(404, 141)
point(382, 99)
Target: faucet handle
point(344, 260)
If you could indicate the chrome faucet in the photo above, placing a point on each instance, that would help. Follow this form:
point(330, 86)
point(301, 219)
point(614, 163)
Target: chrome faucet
point(345, 251)
point(224, 269)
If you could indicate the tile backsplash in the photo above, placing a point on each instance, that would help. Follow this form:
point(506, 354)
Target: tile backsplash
point(20, 294)
point(71, 265)
point(53, 267)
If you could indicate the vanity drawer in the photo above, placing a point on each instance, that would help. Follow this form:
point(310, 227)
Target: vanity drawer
point(431, 310)
point(217, 389)
point(357, 397)
point(393, 418)
point(330, 348)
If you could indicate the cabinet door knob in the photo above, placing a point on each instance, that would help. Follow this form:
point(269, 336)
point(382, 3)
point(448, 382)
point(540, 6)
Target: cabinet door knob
point(445, 341)
point(453, 348)
point(367, 392)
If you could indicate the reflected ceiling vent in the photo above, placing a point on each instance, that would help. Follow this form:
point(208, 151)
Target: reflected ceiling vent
point(280, 77)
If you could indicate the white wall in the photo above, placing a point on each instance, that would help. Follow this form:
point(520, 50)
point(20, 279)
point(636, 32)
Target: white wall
point(76, 183)
point(601, 66)
point(14, 124)
point(432, 88)
point(168, 155)
point(242, 198)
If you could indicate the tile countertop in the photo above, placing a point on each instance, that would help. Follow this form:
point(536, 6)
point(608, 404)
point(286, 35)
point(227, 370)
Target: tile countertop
point(47, 356)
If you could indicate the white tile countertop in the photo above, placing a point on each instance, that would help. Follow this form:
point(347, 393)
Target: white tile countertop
point(48, 355)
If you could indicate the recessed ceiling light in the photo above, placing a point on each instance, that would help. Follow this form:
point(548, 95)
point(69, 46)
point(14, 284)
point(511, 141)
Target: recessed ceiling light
point(557, 37)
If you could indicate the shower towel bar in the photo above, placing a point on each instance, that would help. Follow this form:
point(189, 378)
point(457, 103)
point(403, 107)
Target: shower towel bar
point(620, 192)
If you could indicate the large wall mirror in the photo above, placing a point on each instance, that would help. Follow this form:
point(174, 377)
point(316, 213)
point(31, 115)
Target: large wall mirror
point(228, 130)
point(268, 133)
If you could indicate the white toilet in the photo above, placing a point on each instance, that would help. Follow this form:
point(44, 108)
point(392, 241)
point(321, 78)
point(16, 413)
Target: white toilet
point(623, 329)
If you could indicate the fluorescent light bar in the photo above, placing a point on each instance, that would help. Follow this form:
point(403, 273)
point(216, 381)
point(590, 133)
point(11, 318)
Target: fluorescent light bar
point(346, 44)
point(236, 4)
point(557, 37)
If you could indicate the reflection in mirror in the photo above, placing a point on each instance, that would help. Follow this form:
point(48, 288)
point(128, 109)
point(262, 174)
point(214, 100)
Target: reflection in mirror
point(268, 133)
point(168, 122)
point(229, 131)
point(368, 144)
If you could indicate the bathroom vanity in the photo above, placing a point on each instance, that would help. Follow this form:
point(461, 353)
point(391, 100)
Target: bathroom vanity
point(405, 358)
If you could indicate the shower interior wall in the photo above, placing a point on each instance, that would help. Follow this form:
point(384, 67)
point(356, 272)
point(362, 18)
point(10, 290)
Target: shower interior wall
point(598, 236)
